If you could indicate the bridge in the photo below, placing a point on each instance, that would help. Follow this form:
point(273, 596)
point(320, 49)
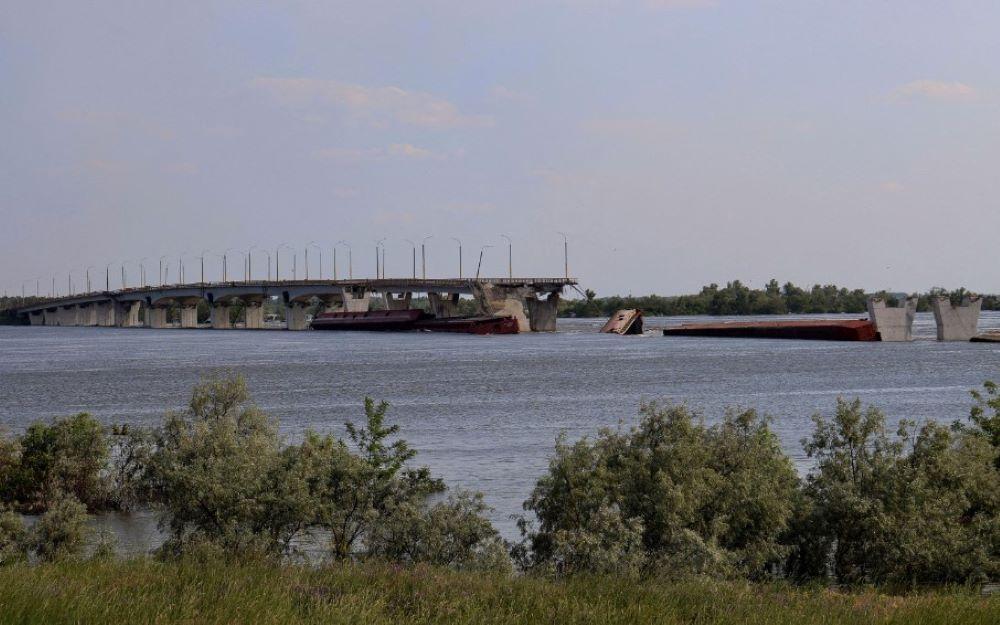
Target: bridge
point(532, 301)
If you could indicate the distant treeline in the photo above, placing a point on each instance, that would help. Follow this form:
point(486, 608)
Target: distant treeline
point(737, 298)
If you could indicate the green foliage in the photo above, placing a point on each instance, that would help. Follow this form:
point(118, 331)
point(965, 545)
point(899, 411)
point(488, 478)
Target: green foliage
point(986, 412)
point(737, 298)
point(451, 533)
point(215, 469)
point(10, 461)
point(711, 500)
point(903, 510)
point(61, 532)
point(13, 537)
point(65, 456)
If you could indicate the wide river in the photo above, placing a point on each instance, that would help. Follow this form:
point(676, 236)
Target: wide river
point(484, 412)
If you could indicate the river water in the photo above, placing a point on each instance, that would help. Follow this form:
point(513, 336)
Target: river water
point(484, 412)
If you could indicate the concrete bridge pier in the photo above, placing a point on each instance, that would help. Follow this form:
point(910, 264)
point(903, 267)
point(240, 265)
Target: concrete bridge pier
point(221, 318)
point(36, 317)
point(129, 315)
point(156, 317)
point(189, 314)
point(503, 302)
point(956, 323)
point(542, 312)
point(87, 315)
point(444, 305)
point(355, 300)
point(253, 309)
point(893, 323)
point(67, 316)
point(295, 316)
point(398, 302)
point(107, 314)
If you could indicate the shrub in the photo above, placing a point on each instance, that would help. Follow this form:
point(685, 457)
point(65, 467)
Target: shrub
point(902, 510)
point(10, 460)
point(62, 531)
point(711, 500)
point(13, 543)
point(451, 533)
point(67, 456)
point(213, 471)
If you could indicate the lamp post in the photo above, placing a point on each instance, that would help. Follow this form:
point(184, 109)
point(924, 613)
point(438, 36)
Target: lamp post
point(423, 256)
point(565, 253)
point(459, 255)
point(142, 270)
point(480, 265)
point(316, 245)
point(124, 277)
point(107, 277)
point(163, 277)
point(260, 249)
point(87, 271)
point(414, 246)
point(249, 267)
point(277, 260)
point(350, 261)
point(378, 245)
point(510, 255)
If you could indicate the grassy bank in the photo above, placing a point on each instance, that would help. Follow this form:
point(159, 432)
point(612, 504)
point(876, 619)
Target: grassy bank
point(146, 591)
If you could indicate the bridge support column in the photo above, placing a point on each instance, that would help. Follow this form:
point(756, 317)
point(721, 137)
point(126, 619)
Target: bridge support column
point(502, 302)
point(542, 312)
point(129, 315)
point(893, 323)
point(295, 316)
point(221, 319)
point(355, 301)
point(254, 311)
point(66, 316)
point(88, 315)
point(189, 315)
point(400, 302)
point(107, 314)
point(443, 305)
point(956, 323)
point(37, 318)
point(156, 317)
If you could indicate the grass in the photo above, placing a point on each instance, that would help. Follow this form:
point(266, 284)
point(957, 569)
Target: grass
point(148, 591)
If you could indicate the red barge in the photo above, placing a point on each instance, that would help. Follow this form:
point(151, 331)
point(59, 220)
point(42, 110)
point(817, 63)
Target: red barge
point(809, 329)
point(412, 320)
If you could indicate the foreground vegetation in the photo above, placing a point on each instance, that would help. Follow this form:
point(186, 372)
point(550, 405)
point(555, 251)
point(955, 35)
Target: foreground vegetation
point(671, 518)
point(197, 591)
point(737, 298)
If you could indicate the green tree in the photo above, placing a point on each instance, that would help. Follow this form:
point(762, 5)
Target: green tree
point(706, 499)
point(61, 532)
point(67, 456)
point(13, 537)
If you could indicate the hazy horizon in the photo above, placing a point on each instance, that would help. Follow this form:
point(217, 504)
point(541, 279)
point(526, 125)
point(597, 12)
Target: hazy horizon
point(676, 142)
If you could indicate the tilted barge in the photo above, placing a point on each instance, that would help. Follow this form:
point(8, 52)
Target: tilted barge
point(412, 320)
point(808, 329)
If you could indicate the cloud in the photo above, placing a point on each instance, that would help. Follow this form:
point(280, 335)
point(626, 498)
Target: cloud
point(934, 90)
point(395, 151)
point(375, 105)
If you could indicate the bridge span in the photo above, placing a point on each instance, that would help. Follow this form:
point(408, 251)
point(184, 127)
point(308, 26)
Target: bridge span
point(532, 301)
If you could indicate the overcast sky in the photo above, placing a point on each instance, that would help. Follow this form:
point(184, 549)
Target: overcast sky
point(675, 142)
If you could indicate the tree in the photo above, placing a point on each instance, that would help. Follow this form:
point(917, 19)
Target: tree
point(13, 537)
point(703, 499)
point(61, 532)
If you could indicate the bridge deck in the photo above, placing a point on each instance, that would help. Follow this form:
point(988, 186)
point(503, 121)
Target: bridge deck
point(276, 287)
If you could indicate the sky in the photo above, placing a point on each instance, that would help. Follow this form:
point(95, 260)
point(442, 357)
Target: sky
point(675, 143)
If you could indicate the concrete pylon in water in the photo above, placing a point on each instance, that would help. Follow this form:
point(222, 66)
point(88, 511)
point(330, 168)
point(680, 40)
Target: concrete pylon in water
point(893, 323)
point(956, 323)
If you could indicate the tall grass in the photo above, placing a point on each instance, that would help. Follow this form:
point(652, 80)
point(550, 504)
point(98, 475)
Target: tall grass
point(148, 591)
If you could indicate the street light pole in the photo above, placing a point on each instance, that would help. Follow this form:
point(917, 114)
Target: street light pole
point(317, 246)
point(378, 274)
point(414, 246)
point(510, 255)
point(459, 256)
point(565, 253)
point(480, 265)
point(423, 256)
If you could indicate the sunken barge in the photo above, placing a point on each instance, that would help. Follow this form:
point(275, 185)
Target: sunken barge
point(412, 320)
point(811, 329)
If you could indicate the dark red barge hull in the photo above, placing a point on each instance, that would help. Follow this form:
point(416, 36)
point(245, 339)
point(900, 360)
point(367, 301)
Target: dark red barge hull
point(410, 320)
point(815, 330)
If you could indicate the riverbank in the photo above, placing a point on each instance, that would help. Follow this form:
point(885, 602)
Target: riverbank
point(148, 591)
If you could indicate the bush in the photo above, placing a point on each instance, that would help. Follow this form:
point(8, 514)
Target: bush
point(13, 543)
point(10, 460)
point(706, 500)
point(62, 531)
point(67, 456)
point(902, 510)
point(213, 470)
